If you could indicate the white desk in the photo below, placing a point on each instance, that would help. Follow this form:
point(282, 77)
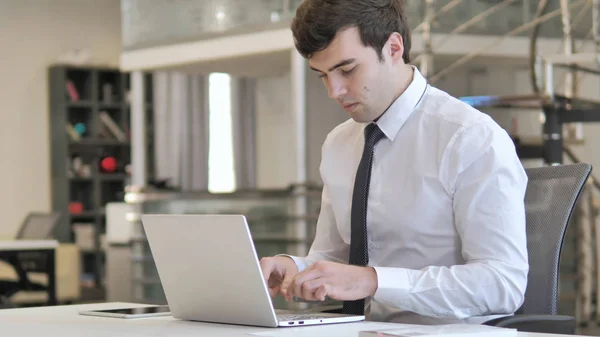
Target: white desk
point(16, 252)
point(64, 321)
point(6, 245)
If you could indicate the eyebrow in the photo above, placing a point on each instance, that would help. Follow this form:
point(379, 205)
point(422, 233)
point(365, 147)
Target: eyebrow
point(340, 64)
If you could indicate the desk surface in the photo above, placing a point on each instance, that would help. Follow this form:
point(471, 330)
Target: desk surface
point(64, 321)
point(27, 244)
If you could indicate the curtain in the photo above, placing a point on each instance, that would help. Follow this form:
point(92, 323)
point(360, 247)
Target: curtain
point(243, 119)
point(181, 130)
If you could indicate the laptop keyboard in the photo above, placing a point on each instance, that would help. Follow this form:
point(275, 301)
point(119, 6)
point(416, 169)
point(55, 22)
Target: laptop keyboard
point(297, 317)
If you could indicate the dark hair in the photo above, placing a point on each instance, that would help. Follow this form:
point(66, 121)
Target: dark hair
point(318, 21)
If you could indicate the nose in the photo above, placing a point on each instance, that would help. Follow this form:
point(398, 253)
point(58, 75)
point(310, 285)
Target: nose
point(336, 88)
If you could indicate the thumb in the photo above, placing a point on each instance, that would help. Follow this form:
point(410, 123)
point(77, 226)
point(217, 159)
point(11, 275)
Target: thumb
point(266, 268)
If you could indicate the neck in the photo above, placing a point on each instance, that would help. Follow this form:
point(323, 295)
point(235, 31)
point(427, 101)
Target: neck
point(405, 77)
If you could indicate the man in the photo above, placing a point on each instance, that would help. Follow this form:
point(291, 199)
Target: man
point(422, 218)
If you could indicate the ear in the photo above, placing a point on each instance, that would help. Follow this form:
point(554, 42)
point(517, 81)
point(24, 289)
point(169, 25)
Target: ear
point(396, 45)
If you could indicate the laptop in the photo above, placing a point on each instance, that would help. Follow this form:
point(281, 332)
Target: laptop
point(209, 271)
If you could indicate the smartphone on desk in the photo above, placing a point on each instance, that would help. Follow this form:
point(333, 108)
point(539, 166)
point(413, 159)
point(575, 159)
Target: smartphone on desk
point(141, 312)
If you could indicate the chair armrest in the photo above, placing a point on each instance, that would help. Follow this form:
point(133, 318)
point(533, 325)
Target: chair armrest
point(557, 324)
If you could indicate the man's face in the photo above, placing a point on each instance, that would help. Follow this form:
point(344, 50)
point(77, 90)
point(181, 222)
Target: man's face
point(354, 76)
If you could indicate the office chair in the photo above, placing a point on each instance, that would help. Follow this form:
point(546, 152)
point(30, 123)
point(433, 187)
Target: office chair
point(551, 195)
point(9, 288)
point(36, 226)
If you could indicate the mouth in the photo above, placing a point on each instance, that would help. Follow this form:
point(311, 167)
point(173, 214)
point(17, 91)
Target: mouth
point(350, 107)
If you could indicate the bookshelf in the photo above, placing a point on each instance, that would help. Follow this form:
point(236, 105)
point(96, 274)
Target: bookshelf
point(91, 154)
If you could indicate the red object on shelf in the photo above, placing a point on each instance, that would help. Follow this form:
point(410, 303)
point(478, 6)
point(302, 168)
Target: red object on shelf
point(75, 207)
point(109, 164)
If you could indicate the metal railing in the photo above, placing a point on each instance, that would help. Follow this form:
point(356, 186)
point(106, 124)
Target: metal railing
point(147, 23)
point(277, 226)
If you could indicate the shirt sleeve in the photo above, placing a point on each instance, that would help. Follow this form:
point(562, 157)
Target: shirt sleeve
point(328, 244)
point(487, 182)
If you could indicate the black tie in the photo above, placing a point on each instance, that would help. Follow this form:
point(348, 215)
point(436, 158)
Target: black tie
point(359, 254)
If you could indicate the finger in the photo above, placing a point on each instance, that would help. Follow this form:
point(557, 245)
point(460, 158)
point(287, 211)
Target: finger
point(305, 276)
point(322, 292)
point(266, 267)
point(273, 291)
point(287, 285)
point(286, 289)
point(309, 288)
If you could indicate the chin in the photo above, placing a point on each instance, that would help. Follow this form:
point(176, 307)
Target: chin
point(360, 118)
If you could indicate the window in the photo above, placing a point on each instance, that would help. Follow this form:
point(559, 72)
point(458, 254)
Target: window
point(221, 177)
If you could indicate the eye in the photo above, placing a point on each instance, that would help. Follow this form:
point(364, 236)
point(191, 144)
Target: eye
point(348, 72)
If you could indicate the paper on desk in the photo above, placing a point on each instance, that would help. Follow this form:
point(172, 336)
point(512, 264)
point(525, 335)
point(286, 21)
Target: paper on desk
point(335, 329)
point(447, 330)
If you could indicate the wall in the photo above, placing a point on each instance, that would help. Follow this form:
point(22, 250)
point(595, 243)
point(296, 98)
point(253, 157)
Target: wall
point(275, 129)
point(33, 34)
point(275, 137)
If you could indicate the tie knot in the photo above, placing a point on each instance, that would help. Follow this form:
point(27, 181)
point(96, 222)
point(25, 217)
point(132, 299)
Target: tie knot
point(373, 134)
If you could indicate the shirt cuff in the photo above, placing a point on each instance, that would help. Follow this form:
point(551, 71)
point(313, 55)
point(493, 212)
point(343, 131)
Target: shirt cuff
point(392, 284)
point(300, 263)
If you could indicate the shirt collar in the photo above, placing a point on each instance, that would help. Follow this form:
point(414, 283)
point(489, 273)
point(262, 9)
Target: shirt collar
point(395, 116)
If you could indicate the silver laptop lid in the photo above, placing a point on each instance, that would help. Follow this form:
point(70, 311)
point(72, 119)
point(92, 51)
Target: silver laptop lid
point(209, 269)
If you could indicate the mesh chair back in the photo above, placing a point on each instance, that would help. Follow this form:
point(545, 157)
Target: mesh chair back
point(38, 226)
point(551, 195)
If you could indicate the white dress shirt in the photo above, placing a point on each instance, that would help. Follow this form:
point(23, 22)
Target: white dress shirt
point(445, 217)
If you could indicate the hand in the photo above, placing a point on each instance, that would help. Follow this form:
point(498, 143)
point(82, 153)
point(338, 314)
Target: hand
point(338, 281)
point(277, 270)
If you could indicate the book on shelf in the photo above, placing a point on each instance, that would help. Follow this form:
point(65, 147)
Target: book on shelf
point(72, 91)
point(112, 126)
point(107, 93)
point(74, 135)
